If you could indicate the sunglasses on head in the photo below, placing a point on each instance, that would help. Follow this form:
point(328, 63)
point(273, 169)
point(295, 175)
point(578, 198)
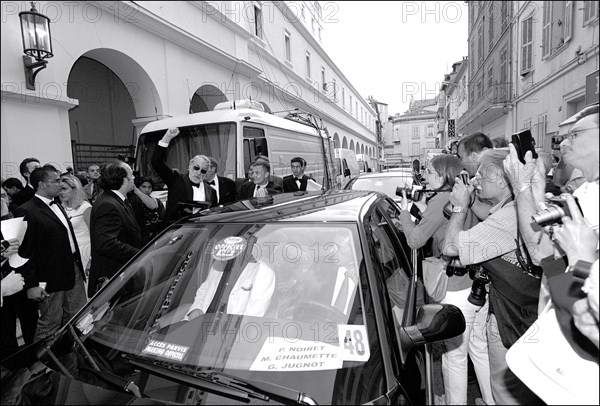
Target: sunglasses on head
point(202, 171)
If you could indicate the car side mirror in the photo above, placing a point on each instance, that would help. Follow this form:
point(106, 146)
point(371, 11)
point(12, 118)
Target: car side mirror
point(346, 172)
point(434, 322)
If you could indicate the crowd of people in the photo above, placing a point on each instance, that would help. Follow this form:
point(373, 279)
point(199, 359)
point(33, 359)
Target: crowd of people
point(82, 228)
point(502, 231)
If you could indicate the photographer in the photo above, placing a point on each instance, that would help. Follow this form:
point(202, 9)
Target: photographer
point(492, 243)
point(439, 177)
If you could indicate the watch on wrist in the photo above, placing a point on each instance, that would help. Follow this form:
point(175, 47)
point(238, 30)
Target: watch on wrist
point(459, 209)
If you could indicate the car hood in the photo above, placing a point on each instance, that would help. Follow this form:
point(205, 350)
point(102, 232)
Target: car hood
point(28, 380)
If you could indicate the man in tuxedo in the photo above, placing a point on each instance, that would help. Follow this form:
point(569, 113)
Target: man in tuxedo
point(182, 188)
point(297, 181)
point(224, 187)
point(27, 166)
point(91, 189)
point(115, 234)
point(260, 186)
point(53, 271)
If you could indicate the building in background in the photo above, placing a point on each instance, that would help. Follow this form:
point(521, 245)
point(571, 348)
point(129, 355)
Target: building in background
point(413, 132)
point(531, 65)
point(452, 102)
point(119, 65)
point(382, 126)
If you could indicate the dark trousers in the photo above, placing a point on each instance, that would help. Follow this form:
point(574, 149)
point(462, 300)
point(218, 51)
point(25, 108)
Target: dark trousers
point(26, 310)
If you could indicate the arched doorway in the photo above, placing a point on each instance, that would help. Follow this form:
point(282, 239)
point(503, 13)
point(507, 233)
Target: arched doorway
point(336, 140)
point(345, 143)
point(114, 92)
point(206, 98)
point(352, 146)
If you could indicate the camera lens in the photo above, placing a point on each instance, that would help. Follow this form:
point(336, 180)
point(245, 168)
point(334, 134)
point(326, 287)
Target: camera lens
point(552, 214)
point(478, 292)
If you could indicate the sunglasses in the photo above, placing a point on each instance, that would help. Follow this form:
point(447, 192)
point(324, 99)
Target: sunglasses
point(197, 168)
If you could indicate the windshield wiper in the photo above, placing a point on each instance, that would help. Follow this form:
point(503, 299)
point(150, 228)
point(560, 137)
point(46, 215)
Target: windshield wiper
point(106, 376)
point(219, 382)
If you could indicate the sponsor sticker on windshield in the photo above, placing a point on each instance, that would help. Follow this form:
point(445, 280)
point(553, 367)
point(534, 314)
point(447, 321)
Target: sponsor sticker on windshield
point(353, 342)
point(166, 350)
point(279, 354)
point(229, 248)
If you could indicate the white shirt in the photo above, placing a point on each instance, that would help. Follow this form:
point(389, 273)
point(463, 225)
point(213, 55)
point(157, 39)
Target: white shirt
point(259, 187)
point(251, 295)
point(588, 194)
point(61, 216)
point(199, 195)
point(216, 187)
point(338, 286)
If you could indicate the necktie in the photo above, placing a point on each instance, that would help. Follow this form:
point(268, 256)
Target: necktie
point(71, 233)
point(212, 182)
point(129, 207)
point(342, 298)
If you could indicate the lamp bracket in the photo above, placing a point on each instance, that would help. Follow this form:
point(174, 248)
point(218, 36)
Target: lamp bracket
point(29, 65)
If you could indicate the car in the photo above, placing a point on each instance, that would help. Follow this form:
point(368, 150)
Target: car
point(384, 182)
point(305, 298)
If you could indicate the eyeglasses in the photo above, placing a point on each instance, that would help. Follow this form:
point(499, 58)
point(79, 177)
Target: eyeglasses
point(197, 168)
point(572, 134)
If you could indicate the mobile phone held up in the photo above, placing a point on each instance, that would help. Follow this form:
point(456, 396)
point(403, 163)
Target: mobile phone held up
point(523, 142)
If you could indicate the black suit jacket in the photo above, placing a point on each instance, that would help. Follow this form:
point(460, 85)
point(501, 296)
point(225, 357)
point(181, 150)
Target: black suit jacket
point(46, 246)
point(115, 234)
point(290, 185)
point(180, 186)
point(247, 190)
point(227, 190)
point(24, 195)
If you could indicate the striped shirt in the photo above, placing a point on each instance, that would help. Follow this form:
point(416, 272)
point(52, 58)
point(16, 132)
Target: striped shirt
point(494, 237)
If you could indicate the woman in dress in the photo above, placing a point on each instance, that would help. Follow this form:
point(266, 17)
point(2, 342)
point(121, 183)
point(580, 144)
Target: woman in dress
point(78, 210)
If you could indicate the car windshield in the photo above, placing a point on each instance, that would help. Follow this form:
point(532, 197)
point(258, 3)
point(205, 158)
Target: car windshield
point(269, 299)
point(383, 184)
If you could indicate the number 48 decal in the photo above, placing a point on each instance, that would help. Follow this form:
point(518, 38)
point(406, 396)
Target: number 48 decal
point(353, 342)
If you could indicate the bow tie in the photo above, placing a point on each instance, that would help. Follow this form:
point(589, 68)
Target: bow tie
point(195, 184)
point(212, 182)
point(53, 202)
point(299, 179)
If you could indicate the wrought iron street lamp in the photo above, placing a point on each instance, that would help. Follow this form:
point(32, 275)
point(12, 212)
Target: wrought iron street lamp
point(35, 31)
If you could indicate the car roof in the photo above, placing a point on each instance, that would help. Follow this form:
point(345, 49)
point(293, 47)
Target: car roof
point(318, 206)
point(392, 174)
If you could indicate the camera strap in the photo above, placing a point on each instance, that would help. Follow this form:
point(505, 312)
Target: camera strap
point(526, 263)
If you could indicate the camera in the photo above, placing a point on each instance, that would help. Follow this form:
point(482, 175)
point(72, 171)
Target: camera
point(524, 142)
point(464, 176)
point(557, 209)
point(414, 193)
point(478, 290)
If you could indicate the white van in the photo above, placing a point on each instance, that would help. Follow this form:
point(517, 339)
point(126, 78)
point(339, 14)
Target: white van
point(346, 164)
point(364, 163)
point(235, 133)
